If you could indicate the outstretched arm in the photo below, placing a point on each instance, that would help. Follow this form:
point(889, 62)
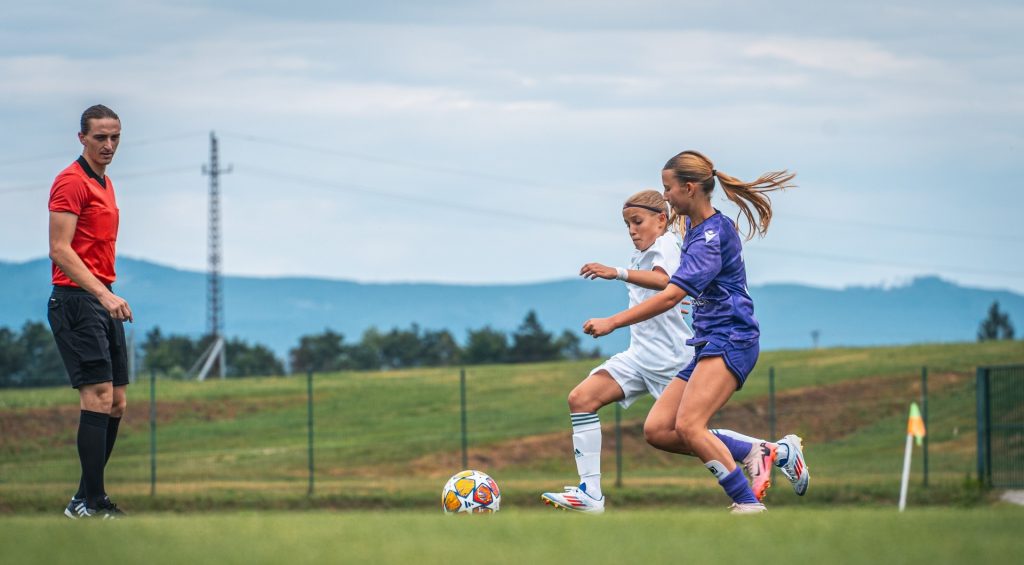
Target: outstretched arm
point(653, 306)
point(655, 279)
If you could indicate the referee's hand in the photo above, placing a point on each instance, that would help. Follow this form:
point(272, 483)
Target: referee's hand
point(117, 307)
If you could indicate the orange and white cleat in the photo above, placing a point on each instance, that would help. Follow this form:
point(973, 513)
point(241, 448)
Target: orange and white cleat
point(758, 464)
point(574, 499)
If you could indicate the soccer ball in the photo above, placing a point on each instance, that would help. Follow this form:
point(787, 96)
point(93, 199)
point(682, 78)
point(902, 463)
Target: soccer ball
point(470, 491)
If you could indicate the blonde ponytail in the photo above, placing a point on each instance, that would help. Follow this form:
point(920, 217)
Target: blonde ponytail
point(691, 166)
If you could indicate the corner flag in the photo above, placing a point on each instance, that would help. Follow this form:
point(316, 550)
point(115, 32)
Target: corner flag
point(916, 431)
point(915, 424)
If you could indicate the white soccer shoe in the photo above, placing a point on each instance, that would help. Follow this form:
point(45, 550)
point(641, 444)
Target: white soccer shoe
point(795, 468)
point(747, 508)
point(758, 464)
point(575, 499)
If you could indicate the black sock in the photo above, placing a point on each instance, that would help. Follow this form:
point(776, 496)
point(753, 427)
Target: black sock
point(112, 425)
point(92, 449)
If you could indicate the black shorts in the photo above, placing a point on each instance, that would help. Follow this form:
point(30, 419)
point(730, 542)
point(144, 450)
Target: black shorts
point(90, 341)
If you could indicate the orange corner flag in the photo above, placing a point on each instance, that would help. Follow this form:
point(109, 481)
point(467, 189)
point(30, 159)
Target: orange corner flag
point(915, 424)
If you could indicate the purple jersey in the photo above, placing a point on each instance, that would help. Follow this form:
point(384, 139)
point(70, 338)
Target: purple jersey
point(711, 272)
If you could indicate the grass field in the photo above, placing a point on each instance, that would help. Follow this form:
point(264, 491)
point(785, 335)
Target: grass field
point(390, 439)
point(848, 535)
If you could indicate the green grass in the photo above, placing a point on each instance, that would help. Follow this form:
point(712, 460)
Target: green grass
point(390, 439)
point(515, 536)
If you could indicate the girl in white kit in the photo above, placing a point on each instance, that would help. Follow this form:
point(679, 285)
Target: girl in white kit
point(657, 352)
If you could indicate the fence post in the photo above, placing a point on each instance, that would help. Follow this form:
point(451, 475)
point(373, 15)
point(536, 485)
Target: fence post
point(771, 404)
point(980, 394)
point(309, 406)
point(618, 444)
point(988, 426)
point(462, 404)
point(152, 432)
point(924, 416)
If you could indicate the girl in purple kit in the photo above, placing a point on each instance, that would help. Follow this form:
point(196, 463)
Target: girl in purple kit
point(726, 333)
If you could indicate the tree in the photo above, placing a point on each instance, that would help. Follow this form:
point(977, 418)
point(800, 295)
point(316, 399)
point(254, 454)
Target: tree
point(173, 354)
point(996, 326)
point(438, 348)
point(321, 352)
point(485, 345)
point(12, 358)
point(401, 348)
point(43, 365)
point(531, 343)
point(246, 360)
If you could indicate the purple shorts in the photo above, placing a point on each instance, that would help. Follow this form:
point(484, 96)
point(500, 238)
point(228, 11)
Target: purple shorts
point(739, 358)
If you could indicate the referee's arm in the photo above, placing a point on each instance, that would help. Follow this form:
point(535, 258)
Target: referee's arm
point(62, 231)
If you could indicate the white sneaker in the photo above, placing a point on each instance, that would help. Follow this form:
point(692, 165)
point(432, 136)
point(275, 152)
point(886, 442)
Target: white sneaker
point(795, 468)
point(575, 499)
point(747, 508)
point(758, 464)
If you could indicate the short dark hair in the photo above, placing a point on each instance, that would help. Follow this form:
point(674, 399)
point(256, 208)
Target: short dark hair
point(97, 112)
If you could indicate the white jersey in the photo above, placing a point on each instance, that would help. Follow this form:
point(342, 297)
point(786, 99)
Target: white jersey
point(658, 346)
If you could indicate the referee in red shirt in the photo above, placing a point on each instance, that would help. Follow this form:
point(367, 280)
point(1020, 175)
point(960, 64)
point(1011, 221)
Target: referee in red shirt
point(85, 315)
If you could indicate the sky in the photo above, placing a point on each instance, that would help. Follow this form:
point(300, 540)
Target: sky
point(495, 142)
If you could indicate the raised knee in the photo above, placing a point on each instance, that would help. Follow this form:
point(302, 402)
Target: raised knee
point(688, 430)
point(660, 437)
point(655, 436)
point(580, 402)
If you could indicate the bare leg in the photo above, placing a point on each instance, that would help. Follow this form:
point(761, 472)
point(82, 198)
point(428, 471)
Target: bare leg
point(660, 426)
point(710, 387)
point(594, 392)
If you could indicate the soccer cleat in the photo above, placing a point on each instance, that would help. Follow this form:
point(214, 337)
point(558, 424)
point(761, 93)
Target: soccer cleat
point(747, 508)
point(758, 464)
point(575, 499)
point(109, 510)
point(76, 509)
point(105, 510)
point(795, 468)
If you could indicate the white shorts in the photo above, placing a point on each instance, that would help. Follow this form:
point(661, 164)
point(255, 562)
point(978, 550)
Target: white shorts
point(634, 381)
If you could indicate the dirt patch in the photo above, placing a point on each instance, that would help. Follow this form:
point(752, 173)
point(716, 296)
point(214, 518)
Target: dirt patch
point(55, 426)
point(818, 414)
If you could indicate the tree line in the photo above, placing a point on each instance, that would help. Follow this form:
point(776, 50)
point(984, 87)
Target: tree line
point(29, 357)
point(416, 347)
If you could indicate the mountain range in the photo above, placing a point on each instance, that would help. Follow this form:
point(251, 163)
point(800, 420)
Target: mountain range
point(277, 311)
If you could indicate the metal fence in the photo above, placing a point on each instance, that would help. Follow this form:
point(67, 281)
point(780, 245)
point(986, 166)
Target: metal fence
point(1000, 410)
point(344, 436)
point(835, 420)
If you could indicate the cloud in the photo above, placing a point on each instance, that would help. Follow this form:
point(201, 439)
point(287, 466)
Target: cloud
point(567, 108)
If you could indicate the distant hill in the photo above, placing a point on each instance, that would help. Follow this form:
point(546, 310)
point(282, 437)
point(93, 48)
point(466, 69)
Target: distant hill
point(276, 311)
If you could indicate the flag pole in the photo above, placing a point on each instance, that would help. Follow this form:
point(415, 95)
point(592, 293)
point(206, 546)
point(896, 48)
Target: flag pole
point(906, 472)
point(915, 430)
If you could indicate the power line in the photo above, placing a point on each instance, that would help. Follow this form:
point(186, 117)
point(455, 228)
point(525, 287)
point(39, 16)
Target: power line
point(876, 262)
point(346, 187)
point(135, 143)
point(505, 179)
point(119, 176)
point(319, 183)
point(906, 228)
point(519, 181)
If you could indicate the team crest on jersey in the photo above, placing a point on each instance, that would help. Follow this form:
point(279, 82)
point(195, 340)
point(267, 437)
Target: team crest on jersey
point(709, 235)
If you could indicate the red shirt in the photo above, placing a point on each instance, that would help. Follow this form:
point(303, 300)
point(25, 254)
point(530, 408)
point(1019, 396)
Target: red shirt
point(80, 191)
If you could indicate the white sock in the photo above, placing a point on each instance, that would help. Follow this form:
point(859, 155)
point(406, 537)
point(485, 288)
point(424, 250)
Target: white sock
point(717, 469)
point(586, 443)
